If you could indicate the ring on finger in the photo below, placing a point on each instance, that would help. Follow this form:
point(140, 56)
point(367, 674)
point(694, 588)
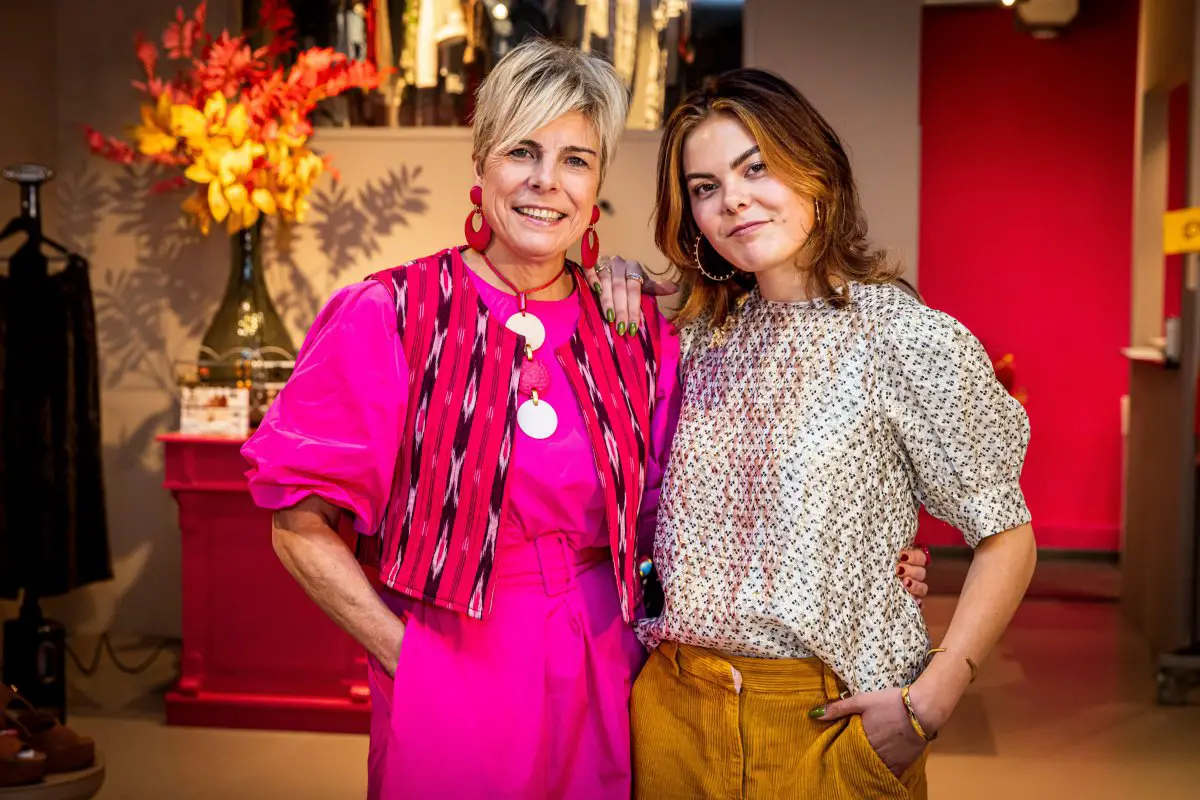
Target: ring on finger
point(601, 267)
point(636, 276)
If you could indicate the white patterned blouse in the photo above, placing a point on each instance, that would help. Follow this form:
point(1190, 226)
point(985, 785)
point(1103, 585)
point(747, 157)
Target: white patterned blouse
point(808, 437)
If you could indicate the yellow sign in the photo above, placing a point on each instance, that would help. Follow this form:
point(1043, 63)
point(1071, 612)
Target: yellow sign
point(1181, 231)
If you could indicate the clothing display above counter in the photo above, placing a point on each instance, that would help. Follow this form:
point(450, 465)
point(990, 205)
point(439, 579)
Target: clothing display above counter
point(436, 52)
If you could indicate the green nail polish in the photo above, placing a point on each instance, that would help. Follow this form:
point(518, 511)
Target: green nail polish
point(620, 329)
point(633, 329)
point(817, 713)
point(596, 286)
point(610, 315)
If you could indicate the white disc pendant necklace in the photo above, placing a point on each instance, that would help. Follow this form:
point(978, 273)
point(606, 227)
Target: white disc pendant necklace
point(536, 418)
point(525, 324)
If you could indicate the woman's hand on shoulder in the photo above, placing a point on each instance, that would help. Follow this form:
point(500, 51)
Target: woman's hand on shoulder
point(621, 284)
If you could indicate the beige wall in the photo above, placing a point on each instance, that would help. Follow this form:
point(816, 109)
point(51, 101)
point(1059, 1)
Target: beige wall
point(28, 122)
point(403, 194)
point(858, 61)
point(429, 173)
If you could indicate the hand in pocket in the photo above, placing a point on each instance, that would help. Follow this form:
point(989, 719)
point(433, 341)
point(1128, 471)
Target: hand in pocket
point(390, 656)
point(886, 725)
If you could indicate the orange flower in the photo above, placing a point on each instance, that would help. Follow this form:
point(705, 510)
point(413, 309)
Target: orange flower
point(234, 121)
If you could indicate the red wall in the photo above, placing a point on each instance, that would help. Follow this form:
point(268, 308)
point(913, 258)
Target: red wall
point(1026, 217)
point(1177, 180)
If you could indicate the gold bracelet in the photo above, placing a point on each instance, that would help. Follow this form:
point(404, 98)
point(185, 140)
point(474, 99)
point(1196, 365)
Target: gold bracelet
point(912, 717)
point(974, 667)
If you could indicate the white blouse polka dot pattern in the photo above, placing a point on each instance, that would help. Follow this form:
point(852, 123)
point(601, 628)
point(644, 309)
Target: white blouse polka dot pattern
point(809, 436)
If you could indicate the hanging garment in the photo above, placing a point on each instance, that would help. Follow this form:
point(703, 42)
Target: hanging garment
point(351, 33)
point(595, 27)
point(625, 40)
point(53, 528)
point(426, 45)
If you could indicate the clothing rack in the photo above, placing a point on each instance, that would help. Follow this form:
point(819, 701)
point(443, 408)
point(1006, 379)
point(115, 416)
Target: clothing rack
point(53, 530)
point(30, 177)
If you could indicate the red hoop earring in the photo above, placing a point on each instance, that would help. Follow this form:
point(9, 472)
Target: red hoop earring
point(479, 239)
point(589, 248)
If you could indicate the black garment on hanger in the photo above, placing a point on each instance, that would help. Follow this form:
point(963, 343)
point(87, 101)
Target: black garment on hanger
point(53, 527)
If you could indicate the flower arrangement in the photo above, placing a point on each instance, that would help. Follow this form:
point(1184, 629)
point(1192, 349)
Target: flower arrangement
point(234, 120)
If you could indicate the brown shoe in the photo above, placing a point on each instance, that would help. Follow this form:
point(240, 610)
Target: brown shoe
point(19, 763)
point(65, 750)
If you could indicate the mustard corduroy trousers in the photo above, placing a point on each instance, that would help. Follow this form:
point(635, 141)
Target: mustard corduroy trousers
point(702, 730)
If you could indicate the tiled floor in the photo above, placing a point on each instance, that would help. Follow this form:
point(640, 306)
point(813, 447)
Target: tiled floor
point(1063, 709)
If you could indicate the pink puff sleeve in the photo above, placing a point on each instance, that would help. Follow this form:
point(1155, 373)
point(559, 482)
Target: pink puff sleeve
point(334, 430)
point(662, 428)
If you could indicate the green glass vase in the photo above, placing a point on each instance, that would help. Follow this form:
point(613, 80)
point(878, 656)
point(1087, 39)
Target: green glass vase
point(246, 326)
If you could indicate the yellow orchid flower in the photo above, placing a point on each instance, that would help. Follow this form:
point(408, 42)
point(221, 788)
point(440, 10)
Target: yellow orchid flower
point(292, 139)
point(248, 216)
point(264, 201)
point(244, 154)
point(226, 160)
point(237, 197)
point(236, 124)
point(302, 208)
point(217, 119)
point(207, 160)
point(196, 205)
point(309, 167)
point(215, 108)
point(217, 202)
point(244, 219)
point(284, 169)
point(199, 172)
point(235, 163)
point(191, 125)
point(155, 135)
point(286, 201)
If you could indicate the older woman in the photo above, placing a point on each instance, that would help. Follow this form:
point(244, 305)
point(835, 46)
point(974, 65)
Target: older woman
point(491, 437)
point(822, 405)
point(470, 412)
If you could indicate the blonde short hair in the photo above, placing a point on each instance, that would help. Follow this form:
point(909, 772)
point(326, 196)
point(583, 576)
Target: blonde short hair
point(536, 83)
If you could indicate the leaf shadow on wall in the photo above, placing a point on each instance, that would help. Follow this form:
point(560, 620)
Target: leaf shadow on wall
point(348, 225)
point(154, 283)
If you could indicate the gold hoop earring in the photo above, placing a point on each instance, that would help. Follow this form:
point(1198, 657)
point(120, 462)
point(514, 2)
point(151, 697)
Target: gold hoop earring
point(700, 264)
point(816, 213)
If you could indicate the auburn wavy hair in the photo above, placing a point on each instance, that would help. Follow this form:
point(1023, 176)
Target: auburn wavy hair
point(799, 148)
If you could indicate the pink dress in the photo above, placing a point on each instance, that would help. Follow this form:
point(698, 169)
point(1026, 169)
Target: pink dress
point(550, 716)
